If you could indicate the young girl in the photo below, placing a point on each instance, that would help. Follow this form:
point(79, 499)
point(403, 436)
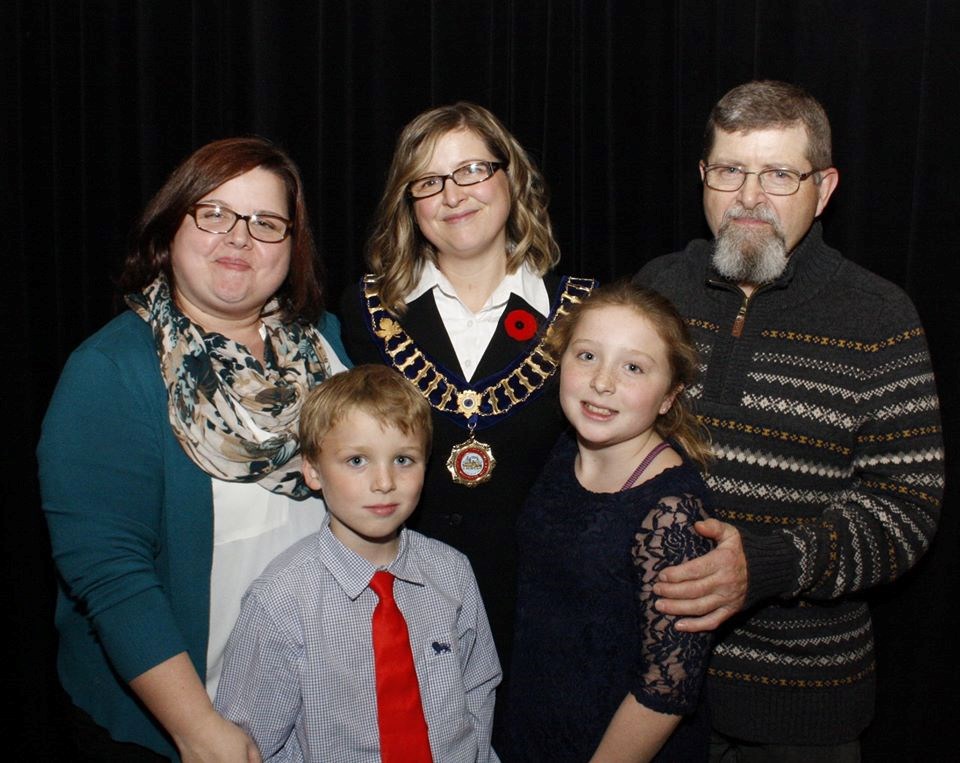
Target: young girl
point(598, 673)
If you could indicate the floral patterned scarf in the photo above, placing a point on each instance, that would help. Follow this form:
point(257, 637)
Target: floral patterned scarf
point(220, 395)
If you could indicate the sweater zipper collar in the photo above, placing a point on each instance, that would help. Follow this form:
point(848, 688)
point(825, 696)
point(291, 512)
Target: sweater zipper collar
point(738, 322)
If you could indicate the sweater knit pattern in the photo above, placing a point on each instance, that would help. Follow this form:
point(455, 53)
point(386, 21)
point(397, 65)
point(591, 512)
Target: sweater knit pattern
point(825, 424)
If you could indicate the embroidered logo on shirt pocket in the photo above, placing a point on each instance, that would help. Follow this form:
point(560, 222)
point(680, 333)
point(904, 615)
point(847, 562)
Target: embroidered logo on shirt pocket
point(442, 689)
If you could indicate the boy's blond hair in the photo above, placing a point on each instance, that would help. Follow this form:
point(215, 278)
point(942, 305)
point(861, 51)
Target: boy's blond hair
point(378, 391)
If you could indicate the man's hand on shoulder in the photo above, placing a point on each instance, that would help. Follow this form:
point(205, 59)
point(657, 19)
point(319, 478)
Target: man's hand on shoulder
point(708, 590)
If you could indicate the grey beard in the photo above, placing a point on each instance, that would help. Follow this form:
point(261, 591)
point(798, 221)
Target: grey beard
point(749, 256)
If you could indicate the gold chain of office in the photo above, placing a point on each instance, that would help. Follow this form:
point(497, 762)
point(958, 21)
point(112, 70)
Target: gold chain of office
point(496, 400)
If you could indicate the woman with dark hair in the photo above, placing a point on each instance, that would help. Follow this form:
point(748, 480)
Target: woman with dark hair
point(169, 461)
point(458, 300)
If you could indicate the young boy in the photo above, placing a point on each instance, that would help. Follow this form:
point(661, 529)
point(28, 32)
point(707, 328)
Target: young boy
point(302, 671)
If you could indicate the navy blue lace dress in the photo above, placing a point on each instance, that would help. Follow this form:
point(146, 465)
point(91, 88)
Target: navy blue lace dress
point(586, 629)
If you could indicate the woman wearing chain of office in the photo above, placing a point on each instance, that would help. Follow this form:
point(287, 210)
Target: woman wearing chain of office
point(458, 300)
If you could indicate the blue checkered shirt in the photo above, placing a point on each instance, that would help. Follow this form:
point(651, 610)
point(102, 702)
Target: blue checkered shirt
point(298, 672)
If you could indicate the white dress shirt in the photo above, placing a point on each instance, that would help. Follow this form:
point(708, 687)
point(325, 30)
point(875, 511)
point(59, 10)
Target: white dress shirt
point(470, 332)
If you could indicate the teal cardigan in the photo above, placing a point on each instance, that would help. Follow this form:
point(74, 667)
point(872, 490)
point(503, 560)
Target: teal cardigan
point(131, 527)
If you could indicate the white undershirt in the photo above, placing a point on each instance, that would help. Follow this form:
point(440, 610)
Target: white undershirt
point(251, 526)
point(470, 333)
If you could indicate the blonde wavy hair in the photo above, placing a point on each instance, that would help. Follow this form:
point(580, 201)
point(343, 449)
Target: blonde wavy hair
point(396, 249)
point(679, 424)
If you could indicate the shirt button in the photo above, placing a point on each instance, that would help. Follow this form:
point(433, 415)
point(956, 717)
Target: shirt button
point(455, 520)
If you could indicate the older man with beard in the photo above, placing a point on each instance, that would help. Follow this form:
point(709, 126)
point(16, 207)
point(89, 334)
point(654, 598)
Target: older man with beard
point(818, 393)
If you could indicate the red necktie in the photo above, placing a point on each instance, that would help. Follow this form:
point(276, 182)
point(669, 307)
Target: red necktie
point(403, 730)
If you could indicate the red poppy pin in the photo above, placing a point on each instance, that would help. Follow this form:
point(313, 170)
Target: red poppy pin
point(520, 325)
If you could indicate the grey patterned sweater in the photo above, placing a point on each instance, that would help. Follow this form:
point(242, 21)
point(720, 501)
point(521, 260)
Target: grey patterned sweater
point(820, 399)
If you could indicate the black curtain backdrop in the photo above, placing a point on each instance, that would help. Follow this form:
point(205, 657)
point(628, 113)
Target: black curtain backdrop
point(100, 100)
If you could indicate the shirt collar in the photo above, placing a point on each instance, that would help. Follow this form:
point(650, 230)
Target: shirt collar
point(524, 282)
point(353, 573)
point(429, 278)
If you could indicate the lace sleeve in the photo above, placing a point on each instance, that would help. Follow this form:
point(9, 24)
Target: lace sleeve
point(670, 664)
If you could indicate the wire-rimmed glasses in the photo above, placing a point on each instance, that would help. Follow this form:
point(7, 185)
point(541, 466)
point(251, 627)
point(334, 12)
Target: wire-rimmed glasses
point(777, 182)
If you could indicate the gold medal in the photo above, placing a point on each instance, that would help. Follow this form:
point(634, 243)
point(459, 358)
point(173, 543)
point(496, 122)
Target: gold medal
point(471, 462)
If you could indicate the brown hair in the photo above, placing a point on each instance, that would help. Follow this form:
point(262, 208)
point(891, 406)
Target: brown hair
point(378, 391)
point(300, 295)
point(765, 104)
point(679, 423)
point(397, 248)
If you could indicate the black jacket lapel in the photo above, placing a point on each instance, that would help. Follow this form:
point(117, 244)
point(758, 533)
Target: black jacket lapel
point(422, 322)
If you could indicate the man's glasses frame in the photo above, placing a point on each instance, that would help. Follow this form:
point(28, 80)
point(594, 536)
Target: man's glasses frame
point(776, 181)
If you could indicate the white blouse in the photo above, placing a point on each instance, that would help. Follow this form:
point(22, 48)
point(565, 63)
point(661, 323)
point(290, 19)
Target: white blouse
point(251, 526)
point(470, 333)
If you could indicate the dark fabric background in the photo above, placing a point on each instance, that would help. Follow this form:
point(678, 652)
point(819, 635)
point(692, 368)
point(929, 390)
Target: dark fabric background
point(101, 99)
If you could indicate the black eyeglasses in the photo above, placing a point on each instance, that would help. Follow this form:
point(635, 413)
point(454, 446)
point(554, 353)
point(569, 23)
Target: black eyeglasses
point(216, 218)
point(776, 182)
point(468, 174)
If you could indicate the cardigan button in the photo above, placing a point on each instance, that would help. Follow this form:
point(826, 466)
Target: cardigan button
point(455, 519)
